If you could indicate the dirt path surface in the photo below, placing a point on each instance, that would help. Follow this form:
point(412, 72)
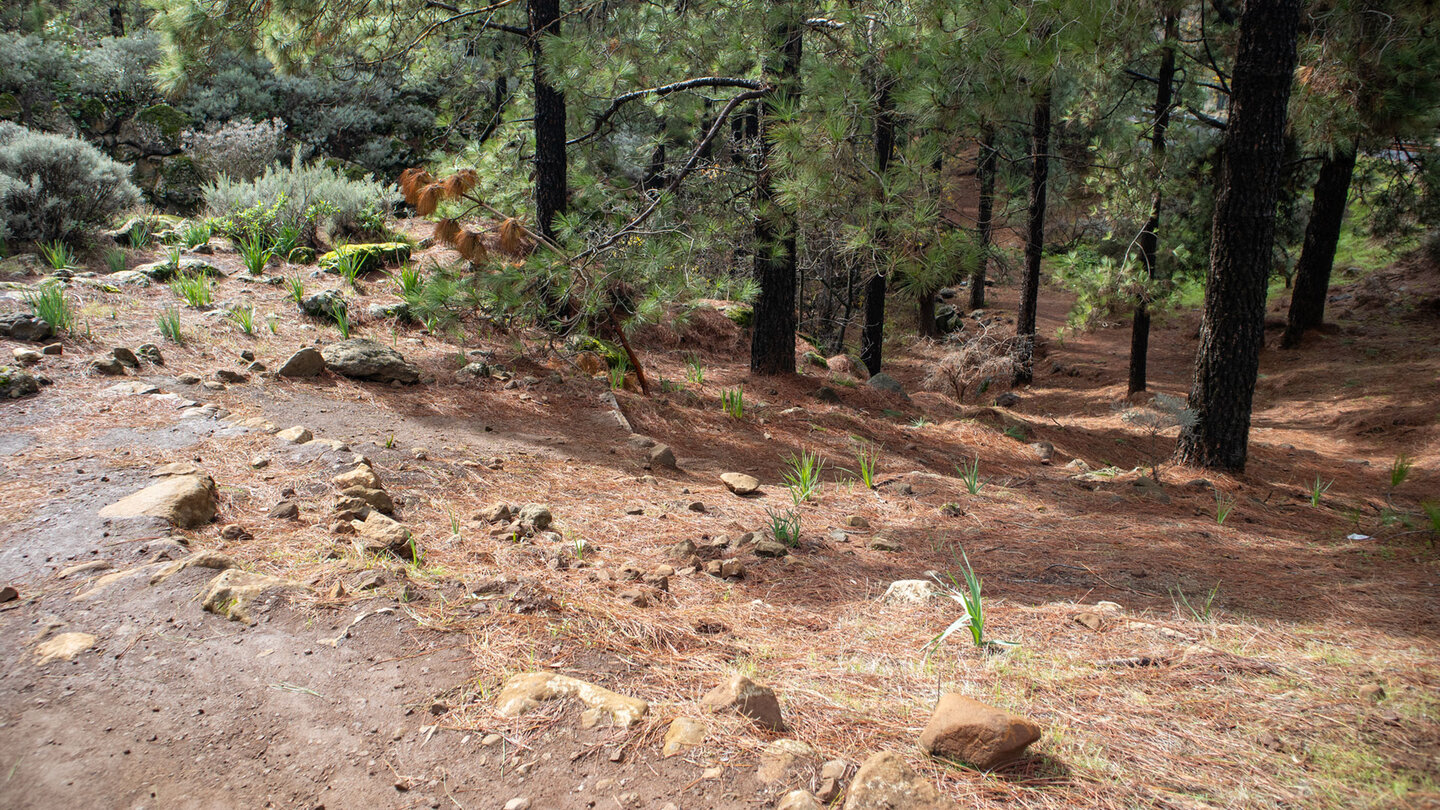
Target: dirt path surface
point(1286, 656)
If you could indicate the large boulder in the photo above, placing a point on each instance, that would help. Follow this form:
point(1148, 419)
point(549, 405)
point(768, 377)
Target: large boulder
point(234, 592)
point(969, 731)
point(166, 270)
point(886, 782)
point(370, 257)
point(884, 382)
point(186, 501)
point(24, 326)
point(367, 360)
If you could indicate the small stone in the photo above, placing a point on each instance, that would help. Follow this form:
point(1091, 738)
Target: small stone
point(495, 513)
point(491, 740)
point(684, 732)
point(908, 591)
point(740, 483)
point(27, 357)
point(886, 782)
point(369, 581)
point(188, 379)
point(125, 357)
point(884, 544)
point(732, 569)
point(107, 366)
point(884, 382)
point(740, 694)
point(295, 435)
point(1045, 451)
point(535, 516)
point(228, 375)
point(8, 594)
point(696, 506)
point(186, 501)
point(213, 385)
point(662, 456)
point(361, 476)
point(518, 803)
point(63, 647)
point(768, 547)
point(857, 522)
point(1373, 692)
point(525, 692)
point(1090, 620)
point(284, 510)
point(635, 597)
point(308, 362)
point(54, 349)
point(799, 800)
point(259, 462)
point(978, 735)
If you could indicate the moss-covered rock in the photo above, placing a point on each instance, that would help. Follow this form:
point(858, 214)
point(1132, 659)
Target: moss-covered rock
point(168, 120)
point(371, 256)
point(742, 314)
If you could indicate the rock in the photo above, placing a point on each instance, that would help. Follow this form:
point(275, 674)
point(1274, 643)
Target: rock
point(682, 551)
point(164, 271)
point(857, 522)
point(63, 647)
point(684, 732)
point(233, 593)
point(368, 257)
point(518, 803)
point(377, 499)
point(362, 476)
point(1373, 692)
point(525, 692)
point(125, 357)
point(284, 510)
point(323, 304)
point(1090, 620)
point(1007, 400)
point(740, 483)
point(187, 379)
point(884, 382)
point(696, 506)
point(473, 371)
point(884, 544)
point(365, 359)
point(150, 353)
point(827, 395)
point(54, 350)
point(201, 559)
point(24, 326)
point(226, 375)
point(236, 532)
point(186, 501)
point(844, 364)
point(898, 488)
point(1045, 451)
point(369, 581)
point(395, 309)
point(307, 362)
point(495, 513)
point(662, 456)
point(16, 383)
point(971, 732)
point(295, 435)
point(108, 366)
point(767, 547)
point(832, 780)
point(378, 534)
point(27, 357)
point(908, 592)
point(799, 800)
point(535, 516)
point(779, 757)
point(743, 695)
point(886, 782)
point(8, 594)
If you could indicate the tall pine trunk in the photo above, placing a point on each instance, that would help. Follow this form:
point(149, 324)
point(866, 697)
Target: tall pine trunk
point(1150, 237)
point(1034, 237)
point(550, 170)
point(1317, 257)
point(1243, 230)
point(986, 223)
point(872, 336)
point(772, 340)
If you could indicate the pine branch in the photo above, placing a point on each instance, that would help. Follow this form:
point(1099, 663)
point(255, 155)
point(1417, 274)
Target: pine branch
point(663, 90)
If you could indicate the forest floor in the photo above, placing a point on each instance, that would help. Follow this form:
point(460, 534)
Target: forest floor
point(1289, 656)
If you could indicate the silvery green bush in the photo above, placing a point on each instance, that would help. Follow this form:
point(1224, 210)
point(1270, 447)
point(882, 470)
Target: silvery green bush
point(56, 187)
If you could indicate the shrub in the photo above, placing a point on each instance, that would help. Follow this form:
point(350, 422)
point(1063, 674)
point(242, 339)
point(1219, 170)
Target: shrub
point(977, 362)
point(240, 150)
point(307, 197)
point(54, 187)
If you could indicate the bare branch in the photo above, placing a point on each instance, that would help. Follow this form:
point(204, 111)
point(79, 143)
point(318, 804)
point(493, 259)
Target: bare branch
point(663, 90)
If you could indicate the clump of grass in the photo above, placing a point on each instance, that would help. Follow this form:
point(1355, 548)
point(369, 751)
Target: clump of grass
point(168, 322)
point(342, 321)
point(732, 401)
point(295, 288)
point(694, 371)
point(142, 234)
point(57, 254)
point(970, 601)
point(244, 318)
point(1400, 470)
point(1318, 490)
point(1224, 505)
point(867, 458)
point(784, 525)
point(197, 291)
point(254, 253)
point(1016, 432)
point(49, 304)
point(115, 260)
point(1431, 509)
point(348, 264)
point(1199, 611)
point(409, 283)
point(287, 238)
point(970, 475)
point(194, 234)
point(803, 477)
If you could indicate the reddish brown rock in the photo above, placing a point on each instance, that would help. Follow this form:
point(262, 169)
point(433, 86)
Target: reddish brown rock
point(982, 736)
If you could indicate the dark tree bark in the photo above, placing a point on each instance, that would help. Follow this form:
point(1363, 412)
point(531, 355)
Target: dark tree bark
point(1034, 238)
point(872, 336)
point(1317, 256)
point(772, 340)
point(1150, 237)
point(986, 169)
point(117, 18)
point(1232, 325)
point(550, 169)
point(925, 314)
